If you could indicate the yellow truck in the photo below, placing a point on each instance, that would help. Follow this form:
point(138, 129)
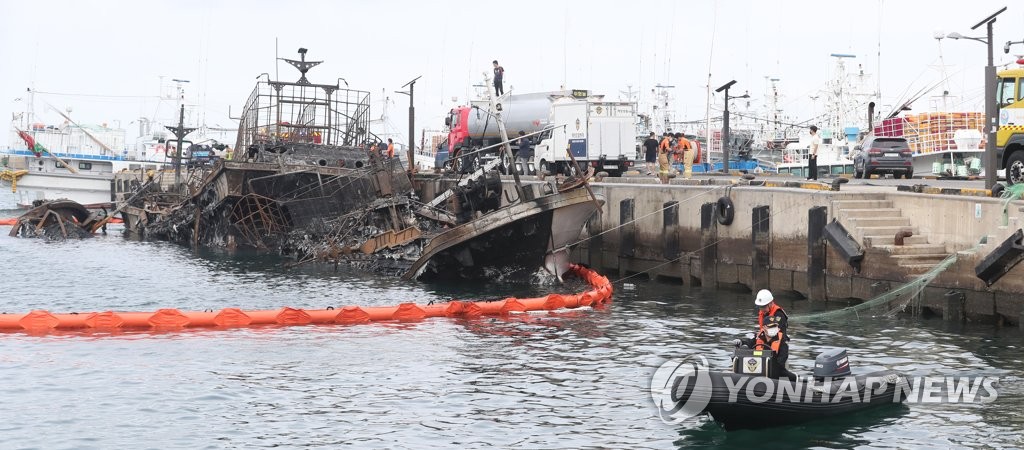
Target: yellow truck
point(1010, 137)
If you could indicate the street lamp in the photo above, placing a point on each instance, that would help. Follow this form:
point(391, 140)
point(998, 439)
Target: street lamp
point(412, 121)
point(991, 111)
point(725, 125)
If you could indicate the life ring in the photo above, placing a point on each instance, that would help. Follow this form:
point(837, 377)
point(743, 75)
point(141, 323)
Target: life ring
point(787, 158)
point(159, 148)
point(696, 152)
point(725, 212)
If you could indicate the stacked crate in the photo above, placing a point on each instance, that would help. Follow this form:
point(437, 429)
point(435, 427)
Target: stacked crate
point(930, 132)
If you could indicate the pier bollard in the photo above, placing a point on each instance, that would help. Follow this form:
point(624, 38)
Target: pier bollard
point(760, 235)
point(670, 230)
point(627, 232)
point(817, 218)
point(709, 247)
point(953, 306)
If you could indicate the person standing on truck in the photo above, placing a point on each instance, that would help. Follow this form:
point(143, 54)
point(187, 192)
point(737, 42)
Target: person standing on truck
point(651, 153)
point(499, 73)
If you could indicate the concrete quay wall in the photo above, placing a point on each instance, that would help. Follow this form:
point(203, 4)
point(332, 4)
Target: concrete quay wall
point(776, 241)
point(640, 232)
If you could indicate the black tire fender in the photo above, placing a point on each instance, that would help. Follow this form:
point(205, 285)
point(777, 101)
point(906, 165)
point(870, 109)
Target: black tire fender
point(725, 212)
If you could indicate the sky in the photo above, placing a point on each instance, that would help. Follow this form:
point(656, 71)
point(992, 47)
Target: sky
point(109, 61)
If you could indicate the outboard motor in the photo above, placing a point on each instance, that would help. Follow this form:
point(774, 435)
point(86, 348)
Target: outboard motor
point(832, 364)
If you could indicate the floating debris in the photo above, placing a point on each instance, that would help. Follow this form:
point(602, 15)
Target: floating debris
point(59, 220)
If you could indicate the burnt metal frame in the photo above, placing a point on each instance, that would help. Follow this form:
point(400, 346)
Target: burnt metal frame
point(281, 112)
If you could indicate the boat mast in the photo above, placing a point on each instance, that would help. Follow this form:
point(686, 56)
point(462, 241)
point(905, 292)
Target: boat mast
point(506, 149)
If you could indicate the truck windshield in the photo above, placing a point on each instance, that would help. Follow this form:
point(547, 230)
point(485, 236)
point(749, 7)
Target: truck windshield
point(1007, 91)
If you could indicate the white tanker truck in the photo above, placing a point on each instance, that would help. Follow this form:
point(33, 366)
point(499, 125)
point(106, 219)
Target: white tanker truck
point(598, 133)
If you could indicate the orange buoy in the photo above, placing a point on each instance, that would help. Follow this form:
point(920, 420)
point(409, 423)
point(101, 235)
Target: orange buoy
point(39, 321)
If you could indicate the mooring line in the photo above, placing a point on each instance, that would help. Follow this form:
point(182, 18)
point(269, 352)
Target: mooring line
point(699, 249)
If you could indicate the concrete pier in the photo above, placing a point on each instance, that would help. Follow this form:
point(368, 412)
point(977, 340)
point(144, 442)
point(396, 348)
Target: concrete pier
point(775, 240)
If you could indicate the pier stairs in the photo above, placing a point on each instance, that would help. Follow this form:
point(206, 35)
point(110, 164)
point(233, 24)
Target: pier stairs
point(874, 222)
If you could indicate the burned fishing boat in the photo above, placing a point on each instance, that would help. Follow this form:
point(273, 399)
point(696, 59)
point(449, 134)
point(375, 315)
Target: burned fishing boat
point(306, 182)
point(62, 219)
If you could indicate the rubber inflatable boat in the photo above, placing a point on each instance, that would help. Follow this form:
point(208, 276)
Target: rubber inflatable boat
point(751, 396)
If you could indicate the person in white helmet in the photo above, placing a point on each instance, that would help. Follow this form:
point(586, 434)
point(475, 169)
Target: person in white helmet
point(772, 331)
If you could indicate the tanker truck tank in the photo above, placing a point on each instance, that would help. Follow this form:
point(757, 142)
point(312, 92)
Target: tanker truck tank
point(524, 112)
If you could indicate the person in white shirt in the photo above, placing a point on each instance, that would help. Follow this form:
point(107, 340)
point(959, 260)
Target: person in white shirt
point(812, 154)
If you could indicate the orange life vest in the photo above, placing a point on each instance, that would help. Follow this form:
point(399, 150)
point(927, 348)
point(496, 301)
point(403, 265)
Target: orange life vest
point(682, 145)
point(391, 150)
point(764, 342)
point(761, 314)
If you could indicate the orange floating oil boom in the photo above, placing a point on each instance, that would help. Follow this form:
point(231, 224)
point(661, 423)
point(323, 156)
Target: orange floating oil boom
point(41, 321)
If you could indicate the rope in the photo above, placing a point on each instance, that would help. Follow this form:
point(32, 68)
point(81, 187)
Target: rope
point(644, 217)
point(699, 249)
point(12, 176)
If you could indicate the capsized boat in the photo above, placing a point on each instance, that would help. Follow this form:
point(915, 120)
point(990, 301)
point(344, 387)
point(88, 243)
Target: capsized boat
point(752, 396)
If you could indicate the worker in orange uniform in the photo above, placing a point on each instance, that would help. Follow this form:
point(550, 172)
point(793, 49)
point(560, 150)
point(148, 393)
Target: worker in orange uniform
point(391, 148)
point(772, 332)
point(686, 149)
point(664, 148)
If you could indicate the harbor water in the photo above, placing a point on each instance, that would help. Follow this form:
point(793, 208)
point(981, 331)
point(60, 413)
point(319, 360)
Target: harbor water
point(567, 380)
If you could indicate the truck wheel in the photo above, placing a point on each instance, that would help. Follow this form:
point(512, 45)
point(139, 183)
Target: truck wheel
point(545, 168)
point(1015, 168)
point(570, 169)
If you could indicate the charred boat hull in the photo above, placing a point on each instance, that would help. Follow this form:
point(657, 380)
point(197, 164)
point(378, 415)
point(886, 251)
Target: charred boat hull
point(511, 242)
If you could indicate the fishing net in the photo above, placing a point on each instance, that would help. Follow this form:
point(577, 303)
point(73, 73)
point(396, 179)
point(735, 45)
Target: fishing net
point(1011, 193)
point(888, 304)
point(897, 300)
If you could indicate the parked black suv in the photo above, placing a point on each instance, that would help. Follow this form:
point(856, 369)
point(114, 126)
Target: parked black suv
point(880, 155)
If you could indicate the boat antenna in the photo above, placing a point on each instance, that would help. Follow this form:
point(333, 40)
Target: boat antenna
point(87, 133)
point(302, 65)
point(707, 111)
point(878, 78)
point(565, 44)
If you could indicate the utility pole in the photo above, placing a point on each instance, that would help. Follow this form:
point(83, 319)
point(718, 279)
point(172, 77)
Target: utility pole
point(725, 124)
point(991, 110)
